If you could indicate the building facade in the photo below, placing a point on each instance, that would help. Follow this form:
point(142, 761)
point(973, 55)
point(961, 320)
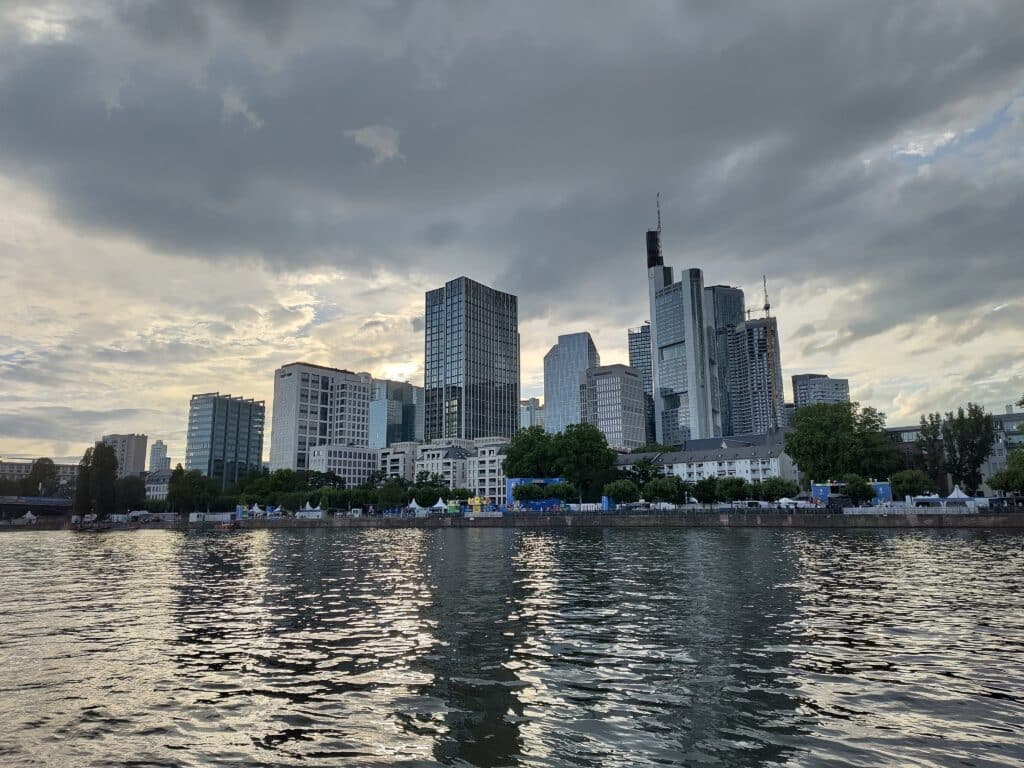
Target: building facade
point(399, 460)
point(612, 398)
point(225, 436)
point(484, 473)
point(395, 413)
point(815, 388)
point(639, 340)
point(684, 374)
point(316, 405)
point(446, 459)
point(563, 364)
point(471, 365)
point(752, 458)
point(755, 378)
point(726, 309)
point(17, 470)
point(531, 413)
point(131, 453)
point(352, 463)
point(157, 483)
point(158, 458)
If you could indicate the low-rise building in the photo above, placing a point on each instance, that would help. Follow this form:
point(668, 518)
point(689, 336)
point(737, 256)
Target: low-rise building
point(399, 460)
point(484, 473)
point(446, 459)
point(352, 463)
point(751, 457)
point(157, 484)
point(20, 469)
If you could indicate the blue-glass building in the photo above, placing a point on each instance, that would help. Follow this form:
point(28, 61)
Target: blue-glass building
point(565, 361)
point(225, 436)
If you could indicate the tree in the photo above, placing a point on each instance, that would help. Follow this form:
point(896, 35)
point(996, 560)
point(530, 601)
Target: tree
point(910, 482)
point(102, 477)
point(858, 489)
point(582, 457)
point(706, 490)
point(929, 445)
point(42, 478)
point(1010, 479)
point(775, 488)
point(82, 503)
point(129, 493)
point(829, 440)
point(1021, 401)
point(529, 492)
point(622, 491)
point(644, 471)
point(669, 489)
point(530, 453)
point(968, 437)
point(193, 491)
point(733, 488)
point(562, 491)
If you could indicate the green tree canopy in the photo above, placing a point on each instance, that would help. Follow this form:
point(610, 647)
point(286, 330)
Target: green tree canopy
point(530, 453)
point(929, 446)
point(191, 491)
point(829, 440)
point(529, 492)
point(858, 489)
point(669, 489)
point(775, 488)
point(583, 458)
point(911, 482)
point(129, 493)
point(563, 491)
point(102, 479)
point(706, 490)
point(622, 491)
point(1010, 479)
point(968, 437)
point(42, 478)
point(733, 489)
point(644, 471)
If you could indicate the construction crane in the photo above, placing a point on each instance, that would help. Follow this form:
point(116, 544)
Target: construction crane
point(773, 418)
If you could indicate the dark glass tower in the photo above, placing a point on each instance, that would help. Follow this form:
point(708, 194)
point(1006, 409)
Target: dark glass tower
point(726, 310)
point(640, 359)
point(471, 366)
point(225, 436)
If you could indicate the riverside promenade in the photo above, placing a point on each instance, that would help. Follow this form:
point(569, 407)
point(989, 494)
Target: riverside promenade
point(687, 519)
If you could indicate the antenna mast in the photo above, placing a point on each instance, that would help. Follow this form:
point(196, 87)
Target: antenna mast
point(658, 199)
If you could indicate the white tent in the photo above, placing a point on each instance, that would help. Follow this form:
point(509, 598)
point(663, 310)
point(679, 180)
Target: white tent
point(439, 504)
point(957, 494)
point(414, 505)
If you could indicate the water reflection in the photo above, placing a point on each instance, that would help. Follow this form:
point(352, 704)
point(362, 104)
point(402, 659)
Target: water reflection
point(506, 647)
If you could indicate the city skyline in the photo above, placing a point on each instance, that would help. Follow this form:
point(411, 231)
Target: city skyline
point(238, 236)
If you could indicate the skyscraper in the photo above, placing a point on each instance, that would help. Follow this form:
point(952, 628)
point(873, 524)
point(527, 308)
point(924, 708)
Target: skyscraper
point(225, 436)
point(612, 399)
point(393, 412)
point(471, 366)
point(130, 451)
point(684, 376)
point(725, 310)
point(755, 377)
point(812, 388)
point(531, 413)
point(316, 405)
point(640, 360)
point(565, 361)
point(158, 459)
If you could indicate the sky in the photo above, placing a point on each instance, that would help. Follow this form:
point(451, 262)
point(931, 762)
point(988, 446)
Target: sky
point(196, 192)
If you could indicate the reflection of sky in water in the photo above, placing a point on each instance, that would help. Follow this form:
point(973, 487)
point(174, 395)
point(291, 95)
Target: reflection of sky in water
point(505, 647)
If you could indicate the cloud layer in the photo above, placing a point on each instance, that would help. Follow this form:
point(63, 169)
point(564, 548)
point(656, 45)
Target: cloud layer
point(202, 191)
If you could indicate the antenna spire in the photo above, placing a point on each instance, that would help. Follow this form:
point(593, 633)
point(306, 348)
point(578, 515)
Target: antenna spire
point(658, 199)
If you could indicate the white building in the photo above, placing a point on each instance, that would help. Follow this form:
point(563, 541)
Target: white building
point(158, 458)
point(131, 453)
point(484, 473)
point(612, 399)
point(352, 463)
point(157, 484)
point(399, 460)
point(446, 458)
point(752, 458)
point(315, 406)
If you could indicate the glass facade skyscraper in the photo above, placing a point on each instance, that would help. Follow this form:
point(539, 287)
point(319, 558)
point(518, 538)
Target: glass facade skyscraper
point(612, 399)
point(726, 309)
point(640, 360)
point(565, 361)
point(471, 366)
point(755, 377)
point(394, 416)
point(225, 436)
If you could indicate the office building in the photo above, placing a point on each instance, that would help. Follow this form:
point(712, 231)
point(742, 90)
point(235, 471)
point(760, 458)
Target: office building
point(639, 340)
point(684, 374)
point(814, 388)
point(352, 463)
point(531, 413)
point(725, 308)
point(225, 436)
point(563, 364)
point(445, 459)
point(471, 366)
point(316, 405)
point(612, 398)
point(131, 453)
point(395, 413)
point(158, 458)
point(755, 378)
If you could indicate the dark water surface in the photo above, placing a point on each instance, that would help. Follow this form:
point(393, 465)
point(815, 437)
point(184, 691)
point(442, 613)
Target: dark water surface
point(510, 647)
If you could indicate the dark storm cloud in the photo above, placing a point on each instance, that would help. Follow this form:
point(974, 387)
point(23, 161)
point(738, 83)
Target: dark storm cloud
point(61, 424)
point(534, 139)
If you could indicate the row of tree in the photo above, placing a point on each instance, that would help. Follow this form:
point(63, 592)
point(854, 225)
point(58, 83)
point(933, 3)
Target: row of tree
point(98, 489)
point(579, 455)
point(710, 490)
point(42, 480)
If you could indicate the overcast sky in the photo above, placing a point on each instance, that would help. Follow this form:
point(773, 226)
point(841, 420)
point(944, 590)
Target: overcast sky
point(194, 193)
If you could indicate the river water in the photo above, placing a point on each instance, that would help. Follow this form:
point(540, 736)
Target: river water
point(501, 647)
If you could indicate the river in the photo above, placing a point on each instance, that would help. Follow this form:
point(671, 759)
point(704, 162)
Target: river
point(505, 647)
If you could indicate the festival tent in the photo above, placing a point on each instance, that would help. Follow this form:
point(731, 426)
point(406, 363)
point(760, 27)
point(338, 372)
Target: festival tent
point(440, 504)
point(957, 494)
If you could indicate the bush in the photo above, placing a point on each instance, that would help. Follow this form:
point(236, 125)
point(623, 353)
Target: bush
point(622, 491)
